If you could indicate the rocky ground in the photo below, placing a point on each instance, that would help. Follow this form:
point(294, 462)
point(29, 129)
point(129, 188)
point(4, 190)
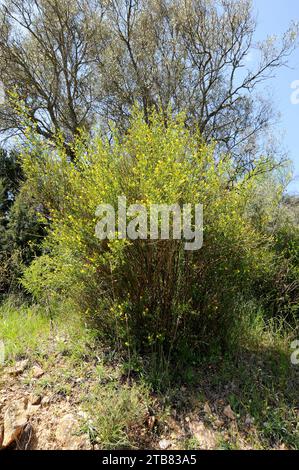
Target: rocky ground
point(37, 421)
point(34, 416)
point(61, 389)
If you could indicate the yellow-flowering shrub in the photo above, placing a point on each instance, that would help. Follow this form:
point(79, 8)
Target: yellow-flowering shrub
point(145, 292)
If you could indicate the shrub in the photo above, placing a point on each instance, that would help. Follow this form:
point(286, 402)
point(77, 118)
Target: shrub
point(24, 330)
point(20, 230)
point(147, 293)
point(283, 295)
point(276, 215)
point(118, 413)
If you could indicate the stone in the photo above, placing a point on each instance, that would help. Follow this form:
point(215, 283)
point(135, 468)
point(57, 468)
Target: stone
point(45, 401)
point(25, 437)
point(205, 437)
point(15, 420)
point(164, 444)
point(33, 409)
point(207, 408)
point(82, 414)
point(151, 422)
point(218, 423)
point(19, 367)
point(37, 372)
point(35, 399)
point(65, 430)
point(66, 434)
point(248, 420)
point(1, 434)
point(228, 412)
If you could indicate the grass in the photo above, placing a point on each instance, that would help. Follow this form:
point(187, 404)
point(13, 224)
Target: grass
point(117, 411)
point(78, 368)
point(23, 330)
point(258, 381)
point(28, 331)
point(262, 385)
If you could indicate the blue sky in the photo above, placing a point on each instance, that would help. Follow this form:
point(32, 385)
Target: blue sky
point(274, 17)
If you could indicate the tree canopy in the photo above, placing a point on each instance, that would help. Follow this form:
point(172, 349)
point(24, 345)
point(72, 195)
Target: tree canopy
point(80, 63)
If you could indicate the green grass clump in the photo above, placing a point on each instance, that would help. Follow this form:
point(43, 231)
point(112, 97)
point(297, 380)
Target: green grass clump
point(23, 330)
point(116, 411)
point(30, 331)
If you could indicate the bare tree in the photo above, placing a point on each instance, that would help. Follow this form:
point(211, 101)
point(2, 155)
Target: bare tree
point(192, 55)
point(80, 62)
point(48, 59)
